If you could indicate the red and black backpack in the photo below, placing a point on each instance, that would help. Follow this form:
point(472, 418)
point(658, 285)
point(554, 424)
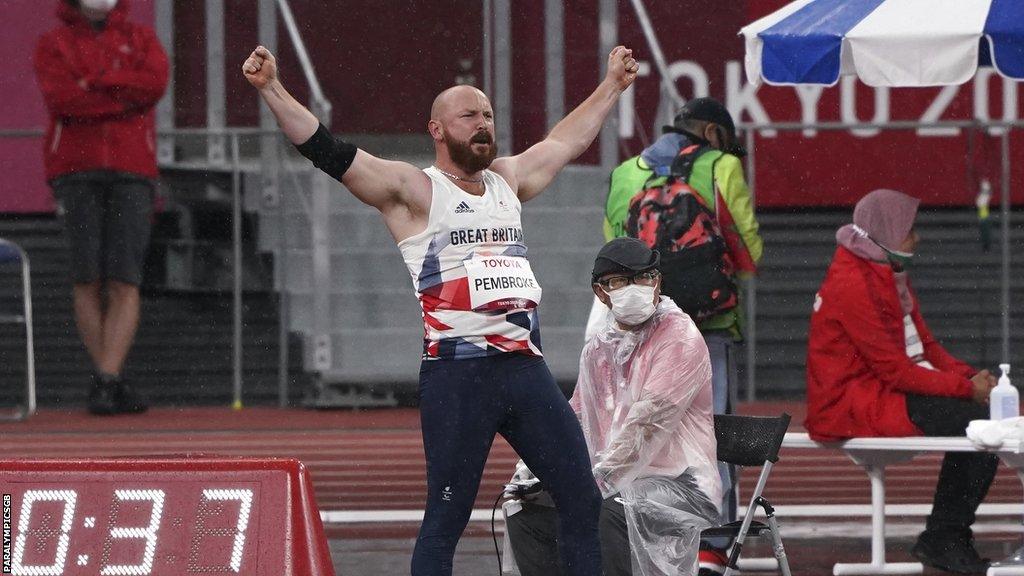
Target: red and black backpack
point(696, 268)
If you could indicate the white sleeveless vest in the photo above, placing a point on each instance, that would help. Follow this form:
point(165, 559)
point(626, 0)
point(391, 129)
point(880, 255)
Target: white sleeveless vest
point(470, 272)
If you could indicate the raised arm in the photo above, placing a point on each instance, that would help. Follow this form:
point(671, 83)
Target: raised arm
point(535, 168)
point(399, 190)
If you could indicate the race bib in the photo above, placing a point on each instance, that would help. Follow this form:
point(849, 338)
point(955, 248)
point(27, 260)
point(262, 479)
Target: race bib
point(501, 283)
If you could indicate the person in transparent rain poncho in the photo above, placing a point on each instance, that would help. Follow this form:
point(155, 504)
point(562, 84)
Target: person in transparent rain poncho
point(644, 400)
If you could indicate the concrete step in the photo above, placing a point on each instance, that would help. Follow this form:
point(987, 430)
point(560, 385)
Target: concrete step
point(965, 235)
point(928, 258)
point(354, 268)
point(924, 278)
point(391, 357)
point(778, 382)
point(350, 269)
point(936, 303)
point(967, 344)
point(398, 308)
point(575, 186)
point(833, 219)
point(364, 227)
point(774, 327)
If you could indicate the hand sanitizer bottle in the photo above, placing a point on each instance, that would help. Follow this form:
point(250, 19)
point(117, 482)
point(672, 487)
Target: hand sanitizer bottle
point(1004, 402)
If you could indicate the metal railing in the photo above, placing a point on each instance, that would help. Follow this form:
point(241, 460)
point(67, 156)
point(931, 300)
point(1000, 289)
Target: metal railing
point(271, 165)
point(321, 107)
point(319, 216)
point(236, 165)
point(315, 207)
point(311, 207)
point(668, 87)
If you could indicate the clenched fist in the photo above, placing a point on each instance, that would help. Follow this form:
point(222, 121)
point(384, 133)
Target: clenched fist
point(260, 68)
point(622, 67)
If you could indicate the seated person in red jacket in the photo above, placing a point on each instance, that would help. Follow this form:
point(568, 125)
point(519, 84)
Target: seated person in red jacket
point(874, 369)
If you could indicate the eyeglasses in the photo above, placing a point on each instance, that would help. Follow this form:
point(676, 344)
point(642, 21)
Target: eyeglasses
point(645, 278)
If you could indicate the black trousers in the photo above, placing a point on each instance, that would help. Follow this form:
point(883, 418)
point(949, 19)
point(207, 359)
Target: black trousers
point(965, 476)
point(463, 404)
point(532, 534)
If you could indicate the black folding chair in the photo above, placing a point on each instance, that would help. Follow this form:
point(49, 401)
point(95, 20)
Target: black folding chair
point(751, 441)
point(12, 254)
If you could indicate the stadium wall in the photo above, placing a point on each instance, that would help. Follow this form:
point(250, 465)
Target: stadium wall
point(381, 63)
point(23, 188)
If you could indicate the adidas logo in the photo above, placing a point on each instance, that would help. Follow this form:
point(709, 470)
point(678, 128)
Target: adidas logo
point(463, 208)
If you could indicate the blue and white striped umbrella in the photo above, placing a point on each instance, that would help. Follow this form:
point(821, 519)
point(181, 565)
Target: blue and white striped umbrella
point(886, 42)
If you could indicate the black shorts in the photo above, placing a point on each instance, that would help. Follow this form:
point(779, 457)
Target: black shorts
point(107, 219)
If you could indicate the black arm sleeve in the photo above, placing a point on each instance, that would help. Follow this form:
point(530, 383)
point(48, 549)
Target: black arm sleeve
point(330, 154)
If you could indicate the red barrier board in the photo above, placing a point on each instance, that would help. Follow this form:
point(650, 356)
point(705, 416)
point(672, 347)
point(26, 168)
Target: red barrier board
point(161, 517)
point(438, 44)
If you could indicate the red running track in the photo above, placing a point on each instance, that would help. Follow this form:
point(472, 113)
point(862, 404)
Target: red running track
point(373, 460)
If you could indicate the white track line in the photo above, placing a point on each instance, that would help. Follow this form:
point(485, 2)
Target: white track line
point(783, 511)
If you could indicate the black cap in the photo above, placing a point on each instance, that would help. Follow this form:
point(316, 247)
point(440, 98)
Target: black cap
point(706, 109)
point(626, 255)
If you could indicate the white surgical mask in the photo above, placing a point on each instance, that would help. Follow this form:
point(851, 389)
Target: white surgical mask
point(103, 6)
point(633, 304)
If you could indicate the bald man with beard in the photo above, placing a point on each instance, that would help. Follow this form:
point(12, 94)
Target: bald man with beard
point(457, 224)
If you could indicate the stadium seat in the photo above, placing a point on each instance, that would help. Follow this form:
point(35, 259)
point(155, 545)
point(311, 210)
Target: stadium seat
point(751, 441)
point(12, 254)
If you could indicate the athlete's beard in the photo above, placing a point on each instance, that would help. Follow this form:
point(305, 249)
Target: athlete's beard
point(463, 155)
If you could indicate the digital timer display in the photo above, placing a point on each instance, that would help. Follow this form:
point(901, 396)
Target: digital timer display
point(160, 517)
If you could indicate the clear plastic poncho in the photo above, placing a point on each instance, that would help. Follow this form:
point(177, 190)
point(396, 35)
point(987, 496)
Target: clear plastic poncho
point(644, 401)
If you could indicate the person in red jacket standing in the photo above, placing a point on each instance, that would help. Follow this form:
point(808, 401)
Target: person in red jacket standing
point(100, 76)
point(874, 369)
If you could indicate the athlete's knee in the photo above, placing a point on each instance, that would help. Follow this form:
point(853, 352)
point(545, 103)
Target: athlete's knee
point(439, 540)
point(427, 561)
point(439, 533)
point(435, 548)
point(586, 502)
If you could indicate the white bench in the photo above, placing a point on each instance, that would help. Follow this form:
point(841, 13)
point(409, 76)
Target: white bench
point(874, 454)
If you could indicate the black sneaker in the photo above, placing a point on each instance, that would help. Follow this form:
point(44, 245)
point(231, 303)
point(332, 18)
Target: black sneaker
point(128, 400)
point(102, 397)
point(950, 552)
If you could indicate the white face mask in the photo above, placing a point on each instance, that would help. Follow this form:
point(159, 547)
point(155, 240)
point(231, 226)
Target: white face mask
point(102, 6)
point(633, 304)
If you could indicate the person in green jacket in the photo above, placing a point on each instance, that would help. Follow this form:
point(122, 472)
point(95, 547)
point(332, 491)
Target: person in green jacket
point(718, 177)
